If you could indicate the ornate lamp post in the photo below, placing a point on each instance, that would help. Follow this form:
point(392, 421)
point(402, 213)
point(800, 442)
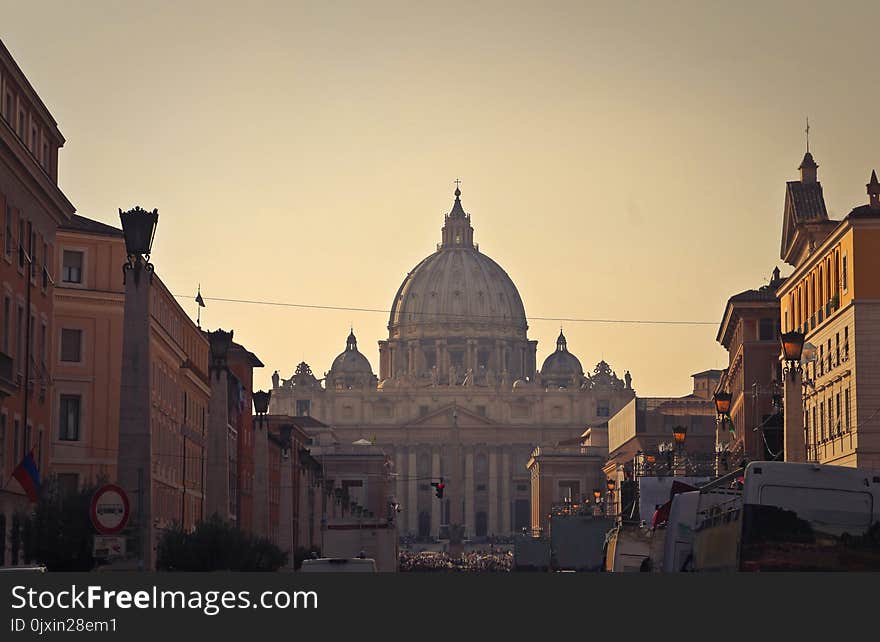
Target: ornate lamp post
point(139, 230)
point(220, 341)
point(134, 462)
point(793, 405)
point(792, 348)
point(597, 497)
point(679, 434)
point(261, 404)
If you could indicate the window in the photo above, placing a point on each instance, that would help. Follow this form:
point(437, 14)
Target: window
point(837, 348)
point(423, 410)
point(8, 247)
point(16, 430)
point(822, 420)
point(844, 278)
point(829, 355)
point(19, 354)
point(44, 349)
point(21, 242)
point(45, 265)
point(846, 409)
point(821, 360)
point(303, 407)
point(846, 342)
point(68, 415)
point(3, 446)
point(830, 421)
point(71, 345)
point(837, 408)
point(34, 140)
point(481, 410)
point(767, 330)
point(602, 409)
point(7, 322)
point(72, 267)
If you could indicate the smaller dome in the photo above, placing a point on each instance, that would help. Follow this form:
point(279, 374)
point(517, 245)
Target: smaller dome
point(561, 363)
point(351, 361)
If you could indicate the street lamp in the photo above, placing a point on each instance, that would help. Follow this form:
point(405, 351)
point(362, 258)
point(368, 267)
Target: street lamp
point(261, 404)
point(722, 403)
point(610, 484)
point(139, 230)
point(220, 342)
point(679, 434)
point(792, 347)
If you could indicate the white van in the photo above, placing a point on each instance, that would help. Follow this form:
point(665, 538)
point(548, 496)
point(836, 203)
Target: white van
point(339, 565)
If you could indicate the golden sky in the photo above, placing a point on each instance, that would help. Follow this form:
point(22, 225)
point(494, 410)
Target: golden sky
point(620, 160)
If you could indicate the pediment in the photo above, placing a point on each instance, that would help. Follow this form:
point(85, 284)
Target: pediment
point(442, 417)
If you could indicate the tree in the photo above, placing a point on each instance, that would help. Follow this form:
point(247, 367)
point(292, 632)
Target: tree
point(217, 545)
point(59, 533)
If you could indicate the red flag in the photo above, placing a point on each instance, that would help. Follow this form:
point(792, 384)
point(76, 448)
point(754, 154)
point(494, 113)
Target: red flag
point(28, 475)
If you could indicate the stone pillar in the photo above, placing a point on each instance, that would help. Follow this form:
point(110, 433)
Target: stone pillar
point(435, 503)
point(285, 509)
point(469, 519)
point(793, 410)
point(412, 504)
point(493, 492)
point(505, 492)
point(134, 461)
point(217, 482)
point(261, 481)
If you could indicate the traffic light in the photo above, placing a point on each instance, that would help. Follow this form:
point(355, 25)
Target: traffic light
point(438, 488)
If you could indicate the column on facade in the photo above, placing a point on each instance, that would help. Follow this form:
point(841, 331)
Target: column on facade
point(499, 365)
point(493, 492)
point(435, 503)
point(505, 492)
point(438, 356)
point(470, 522)
point(412, 505)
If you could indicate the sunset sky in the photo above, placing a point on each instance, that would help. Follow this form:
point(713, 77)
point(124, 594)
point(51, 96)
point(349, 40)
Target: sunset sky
point(620, 160)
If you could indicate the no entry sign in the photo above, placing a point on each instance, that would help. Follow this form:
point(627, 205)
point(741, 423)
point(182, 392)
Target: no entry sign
point(109, 509)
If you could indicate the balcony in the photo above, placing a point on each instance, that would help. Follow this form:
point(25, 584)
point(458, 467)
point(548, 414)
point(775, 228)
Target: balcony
point(7, 379)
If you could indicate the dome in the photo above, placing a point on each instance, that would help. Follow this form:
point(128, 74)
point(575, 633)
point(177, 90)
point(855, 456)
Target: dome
point(457, 291)
point(562, 363)
point(350, 361)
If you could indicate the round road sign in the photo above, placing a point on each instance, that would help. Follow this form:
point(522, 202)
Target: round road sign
point(109, 509)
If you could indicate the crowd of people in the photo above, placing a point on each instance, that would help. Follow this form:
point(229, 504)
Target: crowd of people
point(470, 562)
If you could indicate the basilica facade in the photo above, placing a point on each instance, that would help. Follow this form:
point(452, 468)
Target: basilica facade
point(458, 395)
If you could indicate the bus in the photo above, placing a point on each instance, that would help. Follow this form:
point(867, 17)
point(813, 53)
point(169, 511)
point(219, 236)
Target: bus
point(783, 516)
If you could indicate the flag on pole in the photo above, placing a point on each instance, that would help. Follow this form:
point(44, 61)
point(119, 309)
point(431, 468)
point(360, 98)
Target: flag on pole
point(27, 474)
point(201, 303)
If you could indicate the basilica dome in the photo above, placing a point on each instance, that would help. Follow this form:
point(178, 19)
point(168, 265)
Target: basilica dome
point(457, 291)
point(561, 366)
point(350, 367)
